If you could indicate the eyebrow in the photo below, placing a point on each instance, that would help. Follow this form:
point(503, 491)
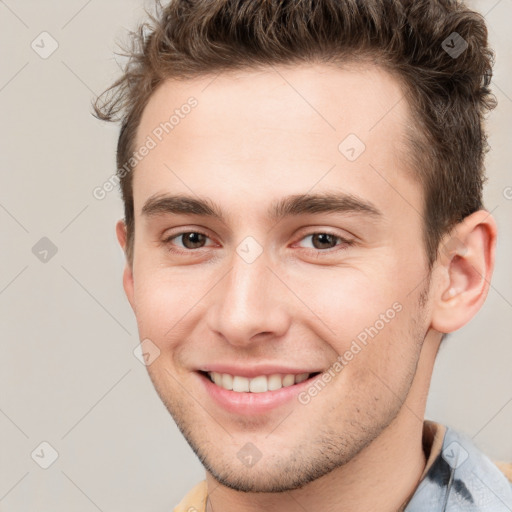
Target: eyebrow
point(294, 205)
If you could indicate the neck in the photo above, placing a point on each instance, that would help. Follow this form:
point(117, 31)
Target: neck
point(382, 477)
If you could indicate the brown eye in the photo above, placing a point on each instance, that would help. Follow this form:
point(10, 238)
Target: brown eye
point(323, 240)
point(186, 242)
point(325, 243)
point(192, 240)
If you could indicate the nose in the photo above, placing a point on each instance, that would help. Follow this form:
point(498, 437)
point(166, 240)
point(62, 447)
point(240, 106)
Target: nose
point(249, 304)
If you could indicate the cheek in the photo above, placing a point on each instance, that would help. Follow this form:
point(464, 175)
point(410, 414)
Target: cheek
point(378, 372)
point(349, 300)
point(371, 321)
point(165, 304)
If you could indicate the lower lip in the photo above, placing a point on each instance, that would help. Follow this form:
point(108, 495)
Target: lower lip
point(253, 403)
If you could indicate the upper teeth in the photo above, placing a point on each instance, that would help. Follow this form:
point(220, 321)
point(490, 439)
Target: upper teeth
point(258, 384)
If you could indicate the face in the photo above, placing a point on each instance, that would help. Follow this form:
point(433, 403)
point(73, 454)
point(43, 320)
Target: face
point(291, 245)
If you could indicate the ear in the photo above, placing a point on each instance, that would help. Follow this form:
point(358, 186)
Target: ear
point(465, 265)
point(128, 270)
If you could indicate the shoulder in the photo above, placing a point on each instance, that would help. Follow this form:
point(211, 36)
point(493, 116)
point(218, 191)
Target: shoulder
point(505, 468)
point(195, 499)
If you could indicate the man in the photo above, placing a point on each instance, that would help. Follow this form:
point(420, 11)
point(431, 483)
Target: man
point(301, 229)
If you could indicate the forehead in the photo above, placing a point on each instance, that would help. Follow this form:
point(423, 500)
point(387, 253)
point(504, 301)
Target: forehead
point(272, 130)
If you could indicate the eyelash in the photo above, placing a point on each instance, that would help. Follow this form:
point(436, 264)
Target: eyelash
point(344, 243)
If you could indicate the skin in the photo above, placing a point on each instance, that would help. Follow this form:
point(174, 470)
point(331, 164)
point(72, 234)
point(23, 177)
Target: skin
point(251, 140)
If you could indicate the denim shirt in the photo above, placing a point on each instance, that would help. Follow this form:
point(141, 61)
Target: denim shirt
point(461, 478)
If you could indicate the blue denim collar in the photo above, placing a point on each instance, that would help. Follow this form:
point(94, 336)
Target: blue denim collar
point(461, 478)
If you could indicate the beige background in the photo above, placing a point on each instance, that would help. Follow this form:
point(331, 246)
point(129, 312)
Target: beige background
point(68, 375)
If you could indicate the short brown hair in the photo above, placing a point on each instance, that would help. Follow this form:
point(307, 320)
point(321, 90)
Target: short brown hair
point(448, 91)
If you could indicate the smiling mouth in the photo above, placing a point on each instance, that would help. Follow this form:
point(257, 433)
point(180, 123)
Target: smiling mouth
point(259, 384)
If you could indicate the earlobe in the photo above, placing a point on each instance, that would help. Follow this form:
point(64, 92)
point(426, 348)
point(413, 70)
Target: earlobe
point(128, 270)
point(464, 271)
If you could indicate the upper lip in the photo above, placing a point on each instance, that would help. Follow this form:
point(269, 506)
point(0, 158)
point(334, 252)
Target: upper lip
point(255, 371)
